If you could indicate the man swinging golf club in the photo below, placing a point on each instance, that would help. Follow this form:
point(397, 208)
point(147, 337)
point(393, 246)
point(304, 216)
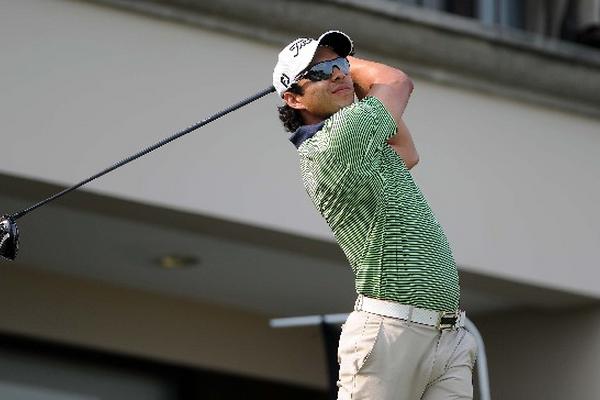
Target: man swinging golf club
point(405, 340)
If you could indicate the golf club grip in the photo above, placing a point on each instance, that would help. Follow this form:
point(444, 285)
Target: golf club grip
point(147, 150)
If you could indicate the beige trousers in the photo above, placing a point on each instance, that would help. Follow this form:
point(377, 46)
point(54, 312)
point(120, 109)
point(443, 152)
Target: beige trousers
point(385, 358)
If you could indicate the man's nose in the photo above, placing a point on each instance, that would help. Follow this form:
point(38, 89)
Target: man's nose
point(336, 74)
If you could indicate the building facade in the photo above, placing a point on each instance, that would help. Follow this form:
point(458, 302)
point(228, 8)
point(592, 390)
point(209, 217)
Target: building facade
point(508, 129)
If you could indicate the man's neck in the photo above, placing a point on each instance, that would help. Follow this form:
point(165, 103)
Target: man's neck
point(311, 119)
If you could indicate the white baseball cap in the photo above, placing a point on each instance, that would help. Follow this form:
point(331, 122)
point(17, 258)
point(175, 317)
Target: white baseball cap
point(297, 55)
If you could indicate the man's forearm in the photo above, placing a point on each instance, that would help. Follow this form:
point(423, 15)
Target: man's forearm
point(366, 73)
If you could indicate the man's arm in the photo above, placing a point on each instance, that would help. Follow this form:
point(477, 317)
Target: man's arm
point(403, 145)
point(393, 88)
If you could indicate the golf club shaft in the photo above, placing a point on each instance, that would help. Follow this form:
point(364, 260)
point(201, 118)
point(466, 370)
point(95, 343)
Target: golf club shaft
point(147, 150)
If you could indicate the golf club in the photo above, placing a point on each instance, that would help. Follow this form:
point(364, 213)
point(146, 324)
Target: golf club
point(9, 231)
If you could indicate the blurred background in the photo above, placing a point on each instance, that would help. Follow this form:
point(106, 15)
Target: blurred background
point(158, 281)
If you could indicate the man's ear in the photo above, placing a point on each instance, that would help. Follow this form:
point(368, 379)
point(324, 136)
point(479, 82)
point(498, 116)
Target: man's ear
point(293, 100)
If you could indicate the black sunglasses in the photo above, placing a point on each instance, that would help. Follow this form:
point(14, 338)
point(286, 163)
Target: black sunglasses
point(324, 69)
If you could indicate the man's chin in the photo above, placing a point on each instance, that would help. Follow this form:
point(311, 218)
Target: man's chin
point(336, 108)
point(346, 103)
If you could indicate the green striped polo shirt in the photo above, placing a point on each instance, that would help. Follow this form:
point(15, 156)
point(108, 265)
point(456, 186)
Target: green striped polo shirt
point(379, 217)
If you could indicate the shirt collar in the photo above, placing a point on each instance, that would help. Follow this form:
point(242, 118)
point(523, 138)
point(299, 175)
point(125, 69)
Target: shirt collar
point(305, 132)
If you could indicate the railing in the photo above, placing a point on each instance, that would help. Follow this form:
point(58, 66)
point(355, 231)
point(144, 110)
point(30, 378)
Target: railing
point(330, 329)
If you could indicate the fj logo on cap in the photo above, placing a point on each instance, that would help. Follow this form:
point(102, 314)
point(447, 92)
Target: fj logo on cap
point(299, 44)
point(285, 80)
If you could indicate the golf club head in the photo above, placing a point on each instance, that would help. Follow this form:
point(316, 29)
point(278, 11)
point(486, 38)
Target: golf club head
point(9, 238)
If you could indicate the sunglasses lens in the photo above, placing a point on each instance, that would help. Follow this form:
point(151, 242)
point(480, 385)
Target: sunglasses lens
point(324, 70)
point(343, 65)
point(317, 75)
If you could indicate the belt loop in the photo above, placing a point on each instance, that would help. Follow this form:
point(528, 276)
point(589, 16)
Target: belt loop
point(410, 313)
point(461, 319)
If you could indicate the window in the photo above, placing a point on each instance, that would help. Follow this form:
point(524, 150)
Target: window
point(572, 20)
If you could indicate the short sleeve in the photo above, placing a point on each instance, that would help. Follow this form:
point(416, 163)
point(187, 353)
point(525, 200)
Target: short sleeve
point(361, 130)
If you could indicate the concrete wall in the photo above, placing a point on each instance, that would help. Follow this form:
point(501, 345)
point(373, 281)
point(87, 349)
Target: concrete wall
point(515, 185)
point(134, 322)
point(543, 355)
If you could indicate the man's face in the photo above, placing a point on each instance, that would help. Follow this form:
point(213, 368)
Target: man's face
point(321, 99)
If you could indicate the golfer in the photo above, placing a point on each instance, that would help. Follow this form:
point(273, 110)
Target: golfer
point(405, 339)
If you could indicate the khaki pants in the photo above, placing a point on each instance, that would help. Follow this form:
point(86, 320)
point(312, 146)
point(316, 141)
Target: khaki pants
point(385, 358)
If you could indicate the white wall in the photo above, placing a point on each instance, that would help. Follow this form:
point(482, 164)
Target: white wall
point(552, 356)
point(515, 185)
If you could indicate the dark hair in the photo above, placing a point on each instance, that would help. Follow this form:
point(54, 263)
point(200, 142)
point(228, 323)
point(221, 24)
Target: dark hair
point(290, 117)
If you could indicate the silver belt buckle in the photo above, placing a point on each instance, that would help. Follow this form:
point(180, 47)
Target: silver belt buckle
point(448, 320)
